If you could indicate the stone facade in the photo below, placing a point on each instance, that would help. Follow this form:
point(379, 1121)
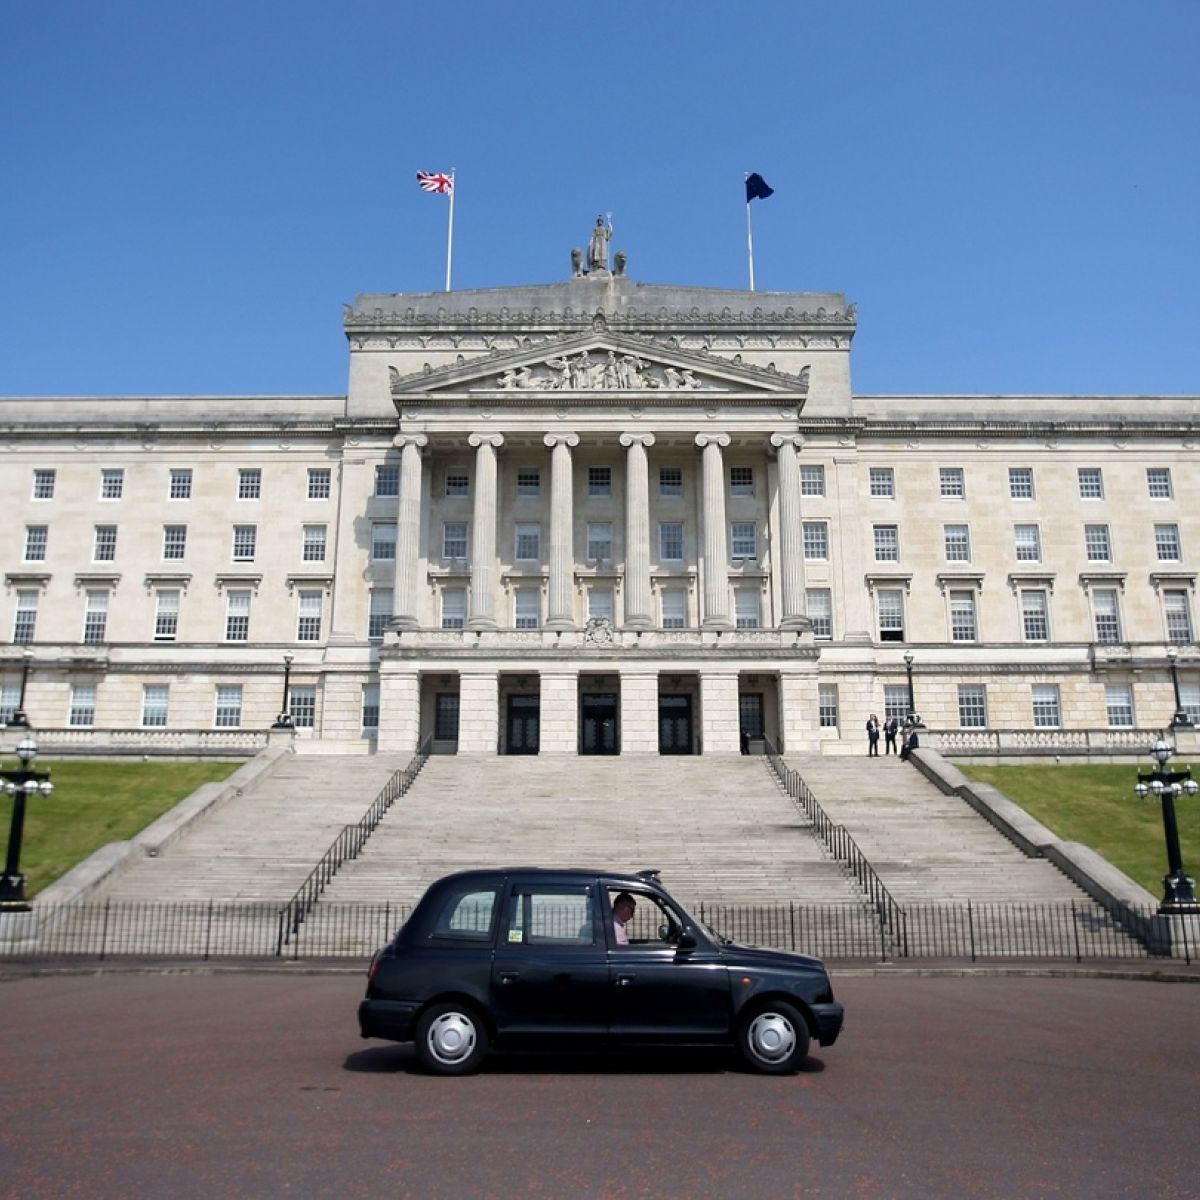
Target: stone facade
point(603, 517)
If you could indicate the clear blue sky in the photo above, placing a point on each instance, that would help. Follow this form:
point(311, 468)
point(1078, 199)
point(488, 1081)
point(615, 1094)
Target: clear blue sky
point(191, 189)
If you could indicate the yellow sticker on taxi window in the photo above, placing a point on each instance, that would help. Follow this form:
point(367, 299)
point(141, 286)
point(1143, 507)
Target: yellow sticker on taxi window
point(514, 935)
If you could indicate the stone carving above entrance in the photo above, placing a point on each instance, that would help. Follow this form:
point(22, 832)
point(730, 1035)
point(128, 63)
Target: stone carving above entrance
point(605, 371)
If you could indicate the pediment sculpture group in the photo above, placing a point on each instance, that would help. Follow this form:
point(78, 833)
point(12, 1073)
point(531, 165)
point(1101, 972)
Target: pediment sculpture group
point(585, 372)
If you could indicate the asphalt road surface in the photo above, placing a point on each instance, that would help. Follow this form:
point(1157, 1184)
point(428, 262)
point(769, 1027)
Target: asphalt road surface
point(259, 1086)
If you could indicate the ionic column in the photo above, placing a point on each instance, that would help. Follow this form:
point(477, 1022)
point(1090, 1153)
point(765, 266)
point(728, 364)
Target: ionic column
point(716, 544)
point(483, 532)
point(637, 530)
point(791, 533)
point(560, 611)
point(408, 530)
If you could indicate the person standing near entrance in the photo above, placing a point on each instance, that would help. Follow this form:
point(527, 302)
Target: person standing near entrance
point(873, 735)
point(890, 728)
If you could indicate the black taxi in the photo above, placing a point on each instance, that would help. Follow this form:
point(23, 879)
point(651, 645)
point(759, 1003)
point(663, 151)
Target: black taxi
point(524, 958)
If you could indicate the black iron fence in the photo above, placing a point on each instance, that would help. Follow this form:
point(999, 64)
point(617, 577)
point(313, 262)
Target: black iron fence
point(1078, 931)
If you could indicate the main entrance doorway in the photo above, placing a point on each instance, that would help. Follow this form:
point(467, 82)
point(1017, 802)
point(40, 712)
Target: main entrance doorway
point(750, 718)
point(675, 725)
point(523, 724)
point(598, 723)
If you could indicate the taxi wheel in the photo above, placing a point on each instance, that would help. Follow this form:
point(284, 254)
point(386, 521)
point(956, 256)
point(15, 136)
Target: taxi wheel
point(451, 1039)
point(773, 1038)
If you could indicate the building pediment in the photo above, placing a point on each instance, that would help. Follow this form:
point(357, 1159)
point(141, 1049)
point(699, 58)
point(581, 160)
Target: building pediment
point(598, 361)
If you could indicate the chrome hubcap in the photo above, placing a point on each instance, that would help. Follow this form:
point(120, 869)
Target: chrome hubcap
point(772, 1037)
point(452, 1037)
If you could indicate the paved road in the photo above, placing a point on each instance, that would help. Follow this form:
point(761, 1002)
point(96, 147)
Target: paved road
point(259, 1086)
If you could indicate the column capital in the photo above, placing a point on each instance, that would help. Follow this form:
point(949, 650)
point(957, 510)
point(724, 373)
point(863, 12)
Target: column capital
point(570, 440)
point(495, 440)
point(712, 439)
point(779, 440)
point(410, 439)
point(637, 439)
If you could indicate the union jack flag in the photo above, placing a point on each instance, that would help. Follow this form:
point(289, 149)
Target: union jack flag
point(436, 181)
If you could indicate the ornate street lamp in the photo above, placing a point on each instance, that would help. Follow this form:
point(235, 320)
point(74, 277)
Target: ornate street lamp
point(284, 720)
point(1180, 720)
point(20, 784)
point(913, 717)
point(19, 720)
point(1179, 894)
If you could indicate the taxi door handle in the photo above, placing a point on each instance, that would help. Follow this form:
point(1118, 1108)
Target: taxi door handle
point(508, 976)
point(625, 980)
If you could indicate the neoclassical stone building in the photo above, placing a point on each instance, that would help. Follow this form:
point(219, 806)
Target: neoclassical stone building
point(600, 517)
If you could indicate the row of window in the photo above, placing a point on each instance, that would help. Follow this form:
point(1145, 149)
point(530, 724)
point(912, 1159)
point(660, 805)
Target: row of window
point(179, 483)
point(952, 483)
point(313, 543)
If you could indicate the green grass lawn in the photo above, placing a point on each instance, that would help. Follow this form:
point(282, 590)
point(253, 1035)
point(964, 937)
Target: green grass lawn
point(95, 803)
point(1095, 805)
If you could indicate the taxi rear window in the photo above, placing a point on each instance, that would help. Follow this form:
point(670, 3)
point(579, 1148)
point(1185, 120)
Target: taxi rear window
point(466, 916)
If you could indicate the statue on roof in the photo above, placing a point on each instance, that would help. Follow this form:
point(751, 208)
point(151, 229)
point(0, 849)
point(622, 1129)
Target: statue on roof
point(597, 255)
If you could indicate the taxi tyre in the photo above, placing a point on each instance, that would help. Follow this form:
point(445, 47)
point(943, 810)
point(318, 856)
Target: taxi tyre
point(773, 1038)
point(451, 1039)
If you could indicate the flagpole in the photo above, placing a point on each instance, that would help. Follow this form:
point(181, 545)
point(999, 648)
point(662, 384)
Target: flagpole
point(750, 244)
point(450, 233)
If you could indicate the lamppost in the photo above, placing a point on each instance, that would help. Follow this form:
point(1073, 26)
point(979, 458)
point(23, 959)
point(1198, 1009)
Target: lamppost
point(19, 720)
point(913, 717)
point(284, 720)
point(20, 784)
point(1180, 720)
point(1179, 893)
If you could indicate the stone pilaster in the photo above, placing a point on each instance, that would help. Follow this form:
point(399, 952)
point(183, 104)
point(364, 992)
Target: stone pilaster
point(790, 562)
point(716, 543)
point(483, 533)
point(479, 712)
point(799, 718)
point(639, 712)
point(638, 605)
point(559, 712)
point(560, 608)
point(399, 710)
point(408, 531)
point(719, 712)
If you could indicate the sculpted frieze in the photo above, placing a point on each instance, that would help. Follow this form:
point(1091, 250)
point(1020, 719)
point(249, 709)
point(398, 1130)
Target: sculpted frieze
point(608, 371)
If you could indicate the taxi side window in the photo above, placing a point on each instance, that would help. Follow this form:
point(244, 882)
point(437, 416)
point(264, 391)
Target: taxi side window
point(552, 917)
point(467, 916)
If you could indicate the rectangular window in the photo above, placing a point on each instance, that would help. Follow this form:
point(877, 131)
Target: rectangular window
point(245, 542)
point(827, 705)
point(454, 539)
point(237, 615)
point(957, 540)
point(1108, 616)
point(1028, 540)
point(528, 543)
point(1096, 543)
point(43, 484)
point(458, 481)
point(155, 698)
point(1158, 482)
point(1020, 483)
point(454, 607)
point(1166, 543)
point(1189, 695)
point(314, 543)
point(166, 615)
point(319, 482)
point(891, 614)
point(895, 701)
point(229, 707)
point(25, 618)
point(36, 539)
point(816, 541)
point(818, 603)
point(527, 613)
point(387, 480)
point(599, 541)
point(1046, 714)
point(972, 706)
point(746, 609)
point(599, 481)
point(10, 697)
point(1119, 701)
point(741, 481)
point(95, 617)
point(308, 625)
point(174, 542)
point(951, 483)
point(83, 706)
point(1179, 616)
point(112, 483)
point(887, 543)
point(670, 541)
point(883, 483)
point(600, 603)
point(812, 480)
point(370, 706)
point(445, 717)
point(379, 612)
point(743, 540)
point(670, 481)
point(383, 541)
point(1035, 615)
point(180, 487)
point(962, 617)
point(249, 483)
point(1091, 483)
point(302, 705)
point(674, 608)
point(529, 481)
point(104, 547)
